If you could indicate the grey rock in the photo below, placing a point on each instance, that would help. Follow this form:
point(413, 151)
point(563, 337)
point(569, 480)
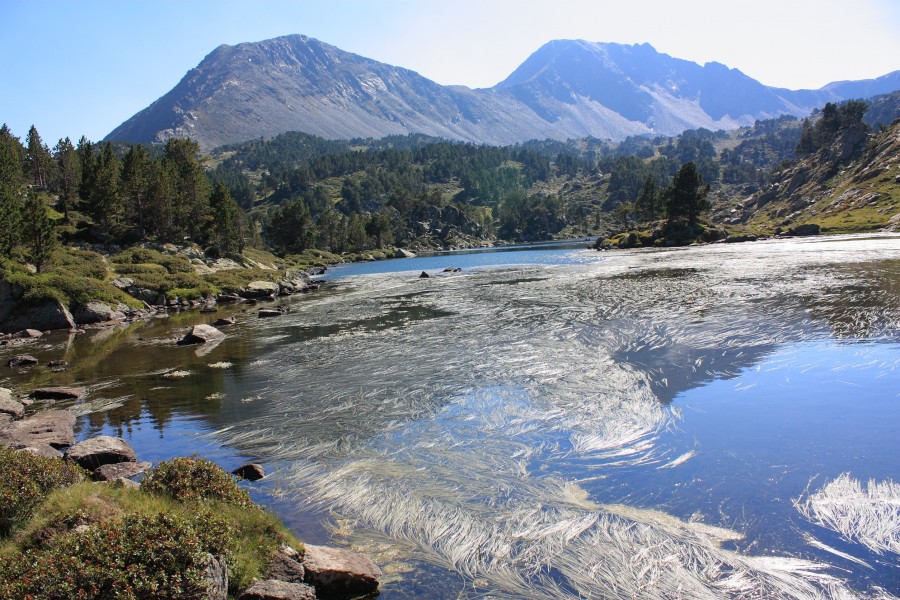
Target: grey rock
point(44, 450)
point(404, 253)
point(50, 428)
point(250, 472)
point(97, 312)
point(260, 289)
point(266, 313)
point(122, 470)
point(9, 406)
point(272, 589)
point(287, 566)
point(804, 230)
point(30, 333)
point(216, 575)
point(224, 321)
point(22, 361)
point(337, 572)
point(202, 334)
point(46, 315)
point(101, 450)
point(58, 393)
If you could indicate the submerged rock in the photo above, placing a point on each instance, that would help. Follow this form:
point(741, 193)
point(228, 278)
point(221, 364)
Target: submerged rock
point(201, 334)
point(340, 573)
point(424, 275)
point(22, 361)
point(266, 313)
point(224, 321)
point(101, 450)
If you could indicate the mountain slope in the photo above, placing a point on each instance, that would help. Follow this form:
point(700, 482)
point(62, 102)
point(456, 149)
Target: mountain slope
point(567, 89)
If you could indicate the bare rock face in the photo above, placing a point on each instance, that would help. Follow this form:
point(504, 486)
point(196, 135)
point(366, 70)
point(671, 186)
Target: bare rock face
point(122, 470)
point(272, 589)
point(101, 450)
point(250, 472)
point(51, 428)
point(59, 393)
point(202, 334)
point(338, 573)
point(287, 566)
point(50, 314)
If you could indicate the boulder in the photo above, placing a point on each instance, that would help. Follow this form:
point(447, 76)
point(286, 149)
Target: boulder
point(224, 321)
point(101, 450)
point(49, 428)
point(44, 450)
point(228, 298)
point(804, 230)
point(30, 333)
point(260, 289)
point(265, 313)
point(97, 312)
point(424, 275)
point(336, 572)
point(46, 315)
point(202, 334)
point(58, 393)
point(58, 365)
point(9, 406)
point(272, 589)
point(122, 283)
point(22, 361)
point(250, 472)
point(287, 566)
point(122, 470)
point(404, 253)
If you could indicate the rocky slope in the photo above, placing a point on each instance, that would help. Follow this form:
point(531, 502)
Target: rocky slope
point(567, 89)
point(851, 184)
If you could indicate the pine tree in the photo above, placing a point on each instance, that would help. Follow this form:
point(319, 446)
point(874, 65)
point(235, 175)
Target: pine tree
point(38, 234)
point(10, 219)
point(136, 171)
point(68, 167)
point(686, 196)
point(12, 157)
point(647, 203)
point(227, 220)
point(40, 163)
point(107, 205)
point(191, 213)
point(88, 159)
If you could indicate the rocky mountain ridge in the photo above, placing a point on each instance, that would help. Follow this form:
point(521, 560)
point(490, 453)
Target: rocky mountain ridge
point(567, 89)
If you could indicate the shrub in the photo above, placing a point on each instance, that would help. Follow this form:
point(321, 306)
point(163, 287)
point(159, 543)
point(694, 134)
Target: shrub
point(195, 479)
point(135, 556)
point(26, 480)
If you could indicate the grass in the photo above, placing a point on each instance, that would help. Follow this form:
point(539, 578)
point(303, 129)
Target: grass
point(99, 540)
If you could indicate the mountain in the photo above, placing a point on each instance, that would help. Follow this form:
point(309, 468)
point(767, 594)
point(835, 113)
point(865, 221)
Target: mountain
point(567, 89)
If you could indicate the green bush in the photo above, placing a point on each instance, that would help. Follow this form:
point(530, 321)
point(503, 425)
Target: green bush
point(134, 556)
point(173, 263)
point(26, 480)
point(195, 479)
point(71, 290)
point(83, 263)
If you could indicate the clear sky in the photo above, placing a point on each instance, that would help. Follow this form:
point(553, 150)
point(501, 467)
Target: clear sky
point(74, 67)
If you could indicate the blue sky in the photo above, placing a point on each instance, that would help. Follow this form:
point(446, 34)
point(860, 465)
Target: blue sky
point(85, 66)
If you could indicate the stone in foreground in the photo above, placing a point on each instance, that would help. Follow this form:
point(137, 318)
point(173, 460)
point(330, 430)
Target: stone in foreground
point(122, 470)
point(287, 566)
point(202, 334)
point(272, 589)
point(338, 573)
point(12, 408)
point(101, 450)
point(51, 428)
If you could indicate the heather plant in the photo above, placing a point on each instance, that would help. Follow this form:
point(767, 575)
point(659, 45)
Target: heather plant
point(195, 479)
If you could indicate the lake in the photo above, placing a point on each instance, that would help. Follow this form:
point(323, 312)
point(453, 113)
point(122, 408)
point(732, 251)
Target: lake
point(553, 422)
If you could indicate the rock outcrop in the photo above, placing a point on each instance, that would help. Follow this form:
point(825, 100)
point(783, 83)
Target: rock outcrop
point(101, 450)
point(53, 428)
point(335, 572)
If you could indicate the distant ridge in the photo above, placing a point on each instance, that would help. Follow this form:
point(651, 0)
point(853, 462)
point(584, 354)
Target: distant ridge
point(566, 89)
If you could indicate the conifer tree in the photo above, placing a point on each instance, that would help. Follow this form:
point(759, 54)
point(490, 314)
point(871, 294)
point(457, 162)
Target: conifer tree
point(227, 220)
point(38, 234)
point(686, 196)
point(647, 203)
point(39, 161)
point(136, 172)
point(68, 168)
point(107, 206)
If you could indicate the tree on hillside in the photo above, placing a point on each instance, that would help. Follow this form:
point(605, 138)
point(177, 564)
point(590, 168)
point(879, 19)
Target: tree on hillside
point(12, 176)
point(12, 157)
point(106, 203)
point(192, 188)
point(39, 160)
point(38, 234)
point(10, 219)
point(227, 226)
point(136, 172)
point(686, 196)
point(379, 227)
point(68, 168)
point(647, 204)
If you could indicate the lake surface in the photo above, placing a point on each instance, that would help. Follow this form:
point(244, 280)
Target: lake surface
point(551, 422)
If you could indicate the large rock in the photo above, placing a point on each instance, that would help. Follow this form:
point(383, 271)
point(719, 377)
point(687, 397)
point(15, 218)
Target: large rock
point(97, 312)
point(250, 472)
point(51, 428)
point(101, 450)
point(339, 573)
point(122, 470)
point(272, 589)
point(287, 566)
point(804, 230)
point(49, 314)
point(267, 313)
point(224, 321)
point(202, 334)
point(9, 406)
point(260, 289)
point(58, 393)
point(404, 253)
